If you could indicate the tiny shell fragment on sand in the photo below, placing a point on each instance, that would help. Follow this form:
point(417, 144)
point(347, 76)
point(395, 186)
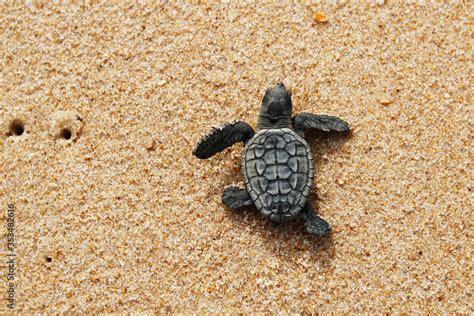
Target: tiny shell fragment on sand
point(161, 83)
point(150, 145)
point(385, 101)
point(320, 17)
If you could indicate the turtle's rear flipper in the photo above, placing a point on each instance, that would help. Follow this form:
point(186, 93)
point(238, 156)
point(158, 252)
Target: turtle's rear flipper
point(235, 197)
point(314, 224)
point(219, 138)
point(305, 121)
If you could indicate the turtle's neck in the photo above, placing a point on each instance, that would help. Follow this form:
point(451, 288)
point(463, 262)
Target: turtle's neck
point(264, 122)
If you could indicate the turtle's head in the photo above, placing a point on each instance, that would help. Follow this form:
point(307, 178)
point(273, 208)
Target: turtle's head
point(276, 108)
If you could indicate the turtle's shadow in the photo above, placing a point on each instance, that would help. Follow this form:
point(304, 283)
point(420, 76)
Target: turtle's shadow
point(290, 242)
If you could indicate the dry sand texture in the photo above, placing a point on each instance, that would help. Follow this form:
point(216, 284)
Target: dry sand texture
point(130, 221)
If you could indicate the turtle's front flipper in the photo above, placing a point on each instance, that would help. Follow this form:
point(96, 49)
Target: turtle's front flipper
point(314, 224)
point(219, 138)
point(305, 121)
point(235, 197)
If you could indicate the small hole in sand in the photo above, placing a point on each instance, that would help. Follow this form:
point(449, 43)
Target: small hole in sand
point(65, 133)
point(49, 259)
point(16, 128)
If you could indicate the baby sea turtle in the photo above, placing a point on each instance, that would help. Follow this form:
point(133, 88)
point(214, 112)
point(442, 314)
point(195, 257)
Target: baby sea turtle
point(276, 163)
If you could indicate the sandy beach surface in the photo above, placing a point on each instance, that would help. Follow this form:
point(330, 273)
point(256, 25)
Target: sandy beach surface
point(101, 106)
